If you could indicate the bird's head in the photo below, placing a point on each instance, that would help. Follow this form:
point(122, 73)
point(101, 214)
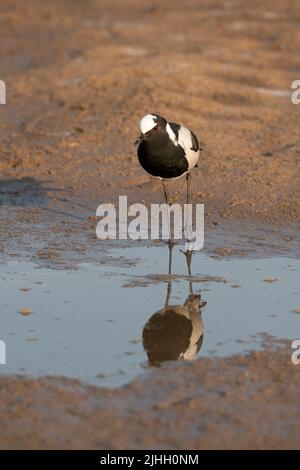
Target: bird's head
point(149, 124)
point(194, 302)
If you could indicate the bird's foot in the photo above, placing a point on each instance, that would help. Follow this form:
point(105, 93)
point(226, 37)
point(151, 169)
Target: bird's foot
point(171, 200)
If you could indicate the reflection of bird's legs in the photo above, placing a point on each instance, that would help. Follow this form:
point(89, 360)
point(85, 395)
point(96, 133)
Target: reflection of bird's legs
point(188, 256)
point(171, 246)
point(169, 288)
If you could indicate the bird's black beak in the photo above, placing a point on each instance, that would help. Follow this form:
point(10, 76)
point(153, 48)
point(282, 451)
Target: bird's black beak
point(139, 140)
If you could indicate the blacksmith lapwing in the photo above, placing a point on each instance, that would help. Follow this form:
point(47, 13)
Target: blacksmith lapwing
point(167, 150)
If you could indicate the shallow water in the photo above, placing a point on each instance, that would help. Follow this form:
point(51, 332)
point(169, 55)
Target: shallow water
point(88, 323)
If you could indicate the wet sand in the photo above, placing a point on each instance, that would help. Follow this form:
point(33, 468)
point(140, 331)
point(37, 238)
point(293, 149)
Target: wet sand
point(241, 403)
point(79, 75)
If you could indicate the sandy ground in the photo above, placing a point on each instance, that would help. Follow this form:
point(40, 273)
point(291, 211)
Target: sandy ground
point(79, 75)
point(241, 403)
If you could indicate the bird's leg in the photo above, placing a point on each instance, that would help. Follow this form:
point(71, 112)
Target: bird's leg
point(187, 227)
point(187, 187)
point(167, 199)
point(166, 192)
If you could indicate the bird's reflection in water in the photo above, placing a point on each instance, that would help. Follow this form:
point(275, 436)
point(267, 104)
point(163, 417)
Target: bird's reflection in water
point(176, 331)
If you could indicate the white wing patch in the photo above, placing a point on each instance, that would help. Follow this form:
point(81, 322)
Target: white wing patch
point(171, 134)
point(186, 142)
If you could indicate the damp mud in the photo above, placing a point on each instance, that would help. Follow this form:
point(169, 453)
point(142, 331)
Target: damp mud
point(105, 346)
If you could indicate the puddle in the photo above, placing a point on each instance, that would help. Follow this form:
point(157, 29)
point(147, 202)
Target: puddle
point(88, 324)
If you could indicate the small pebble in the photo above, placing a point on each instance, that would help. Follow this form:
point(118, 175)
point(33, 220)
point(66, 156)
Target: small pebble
point(25, 311)
point(296, 310)
point(270, 279)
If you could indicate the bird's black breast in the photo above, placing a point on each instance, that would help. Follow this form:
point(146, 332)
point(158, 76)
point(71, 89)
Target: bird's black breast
point(160, 157)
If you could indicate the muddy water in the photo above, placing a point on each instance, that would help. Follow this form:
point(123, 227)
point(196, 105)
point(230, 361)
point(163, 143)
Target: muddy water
point(90, 323)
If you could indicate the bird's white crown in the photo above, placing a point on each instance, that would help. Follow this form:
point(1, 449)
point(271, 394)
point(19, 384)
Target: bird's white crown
point(147, 123)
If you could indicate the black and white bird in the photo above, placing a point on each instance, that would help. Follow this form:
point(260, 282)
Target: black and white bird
point(167, 150)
